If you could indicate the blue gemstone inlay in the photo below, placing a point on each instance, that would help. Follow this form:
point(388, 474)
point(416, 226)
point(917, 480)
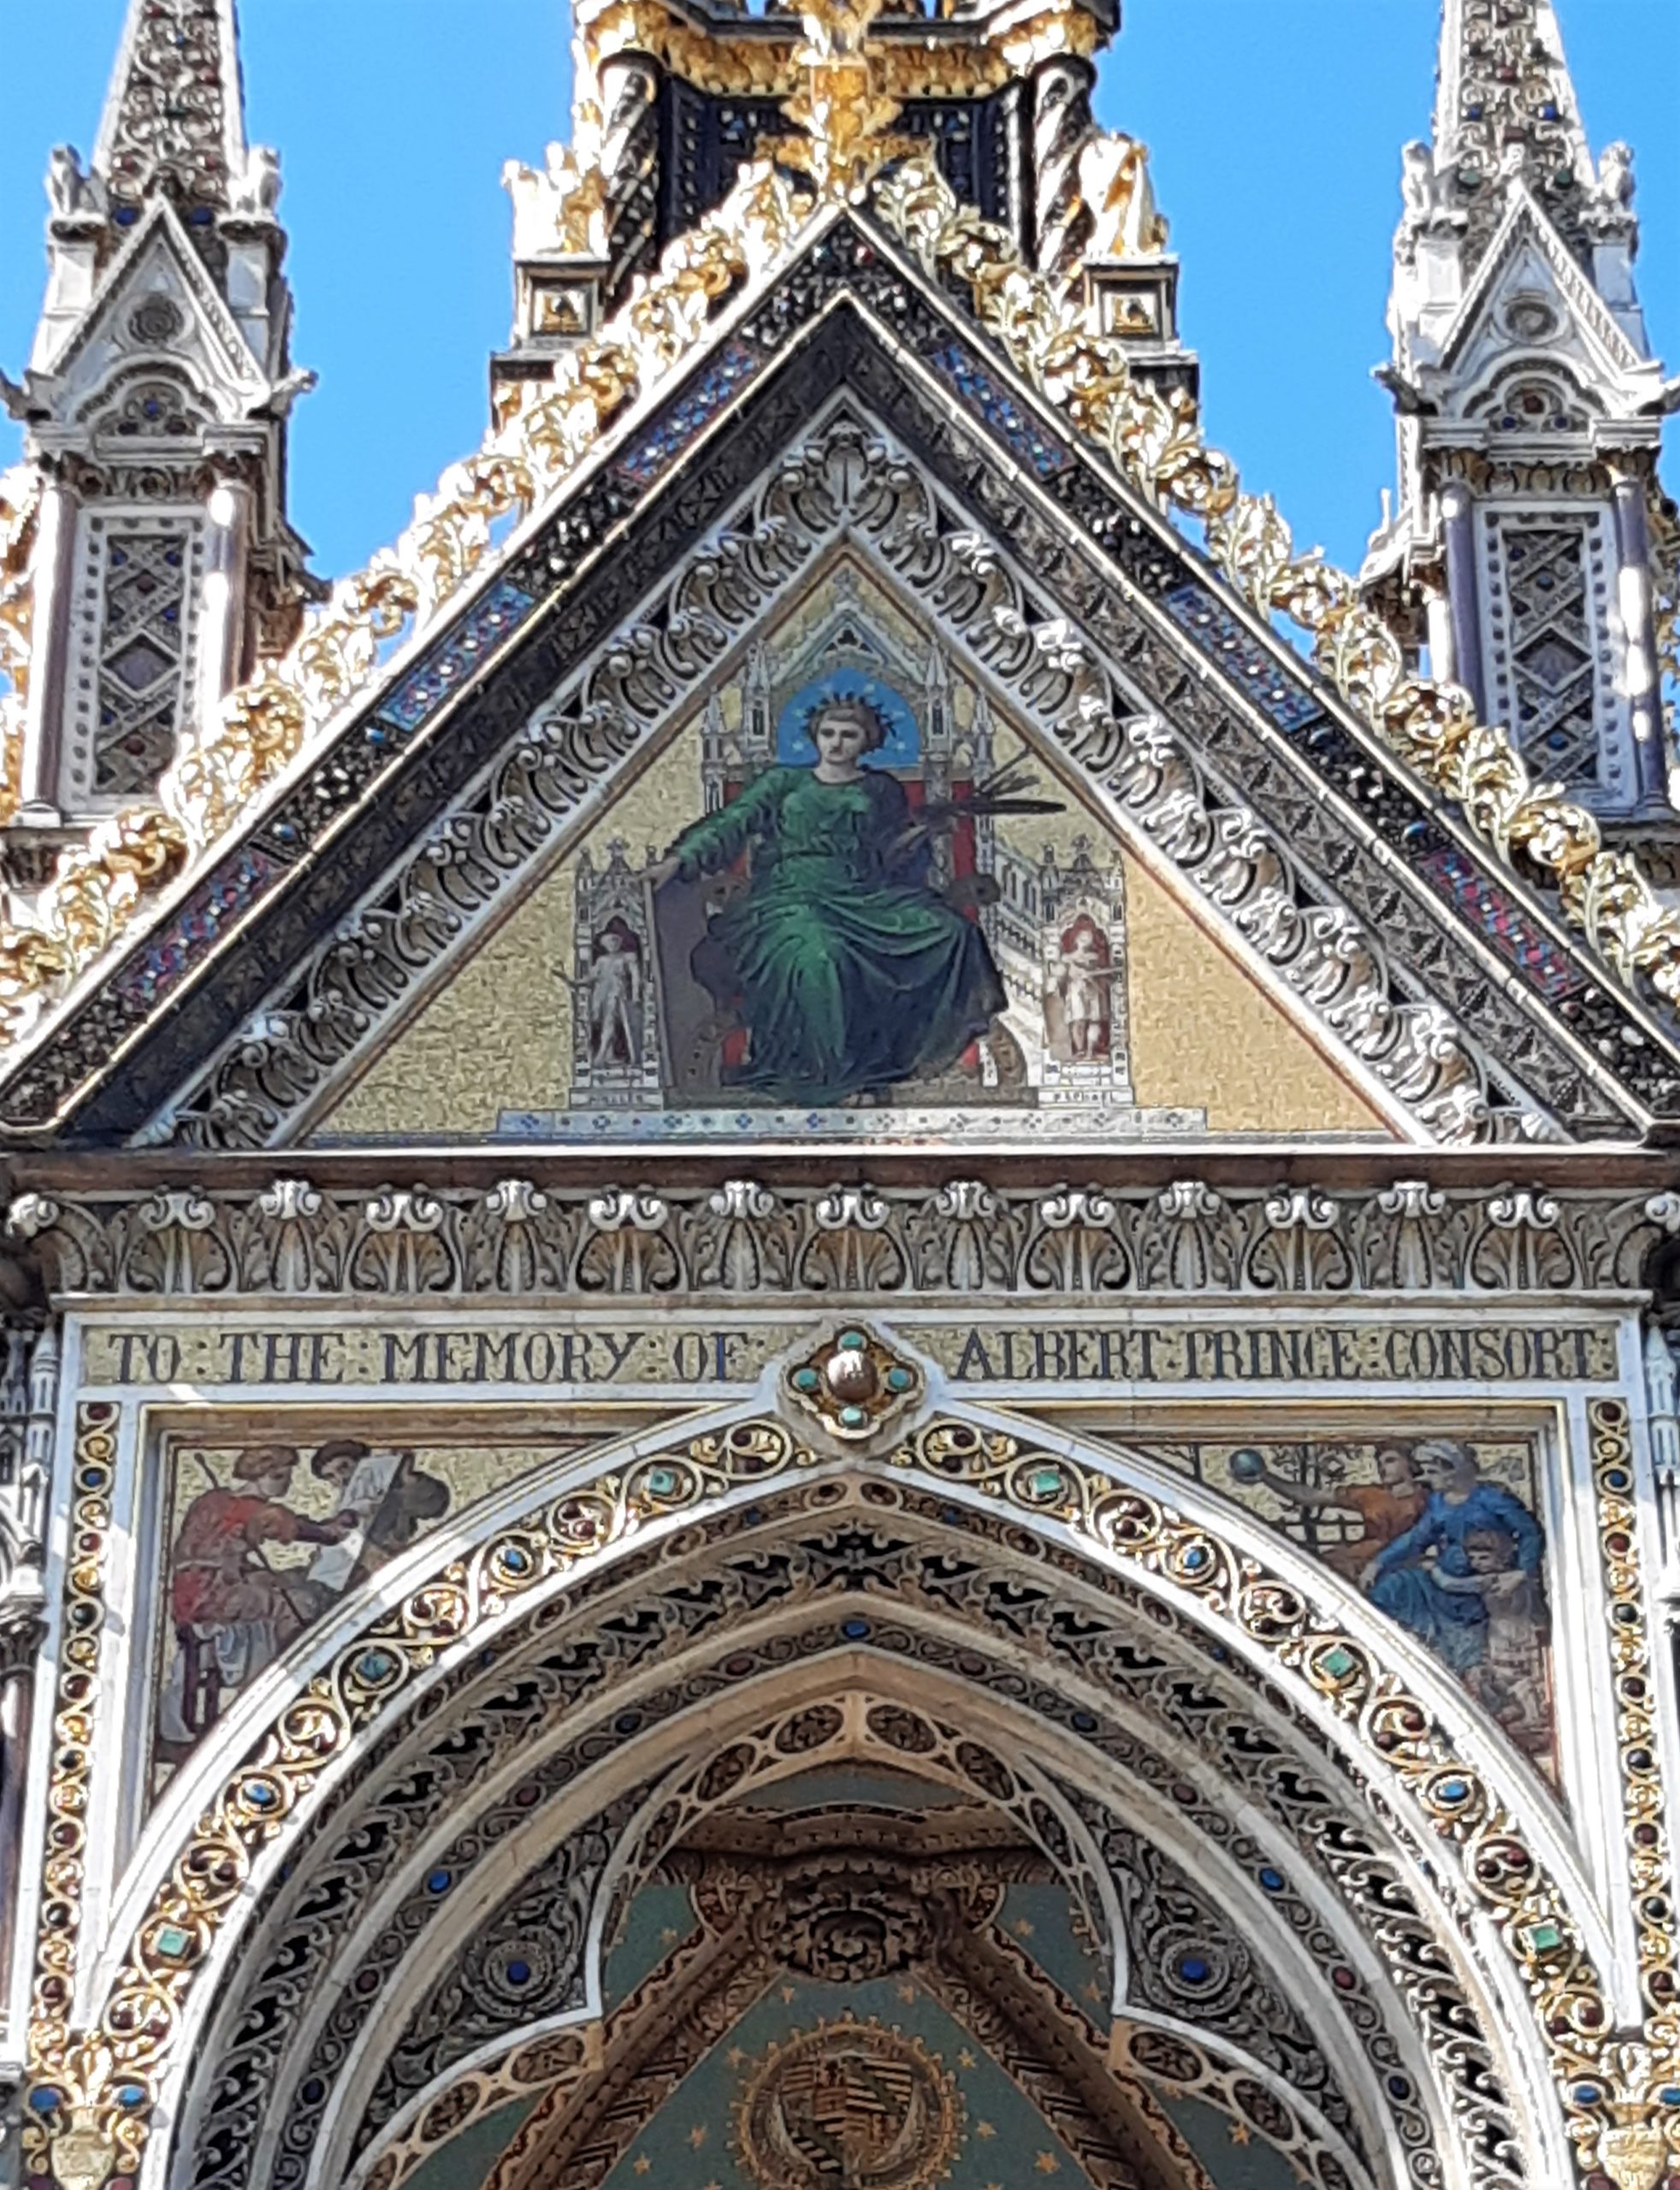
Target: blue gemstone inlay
point(1285, 698)
point(1000, 410)
point(1271, 1879)
point(446, 667)
point(854, 1630)
point(642, 464)
point(1193, 1970)
point(440, 1881)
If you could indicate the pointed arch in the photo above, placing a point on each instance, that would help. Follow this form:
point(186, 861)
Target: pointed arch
point(1205, 1639)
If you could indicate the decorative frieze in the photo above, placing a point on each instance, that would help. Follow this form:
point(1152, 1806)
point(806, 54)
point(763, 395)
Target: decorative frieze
point(743, 1238)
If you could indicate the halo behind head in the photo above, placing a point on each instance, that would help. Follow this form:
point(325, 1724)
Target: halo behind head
point(876, 727)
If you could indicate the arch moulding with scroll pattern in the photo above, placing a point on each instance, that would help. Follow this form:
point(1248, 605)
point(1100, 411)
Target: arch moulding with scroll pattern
point(1513, 1922)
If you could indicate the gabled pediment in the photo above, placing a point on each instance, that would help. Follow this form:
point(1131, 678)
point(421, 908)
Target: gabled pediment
point(596, 1005)
point(156, 305)
point(1531, 301)
point(841, 415)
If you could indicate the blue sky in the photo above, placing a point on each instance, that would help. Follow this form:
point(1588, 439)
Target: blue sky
point(1275, 128)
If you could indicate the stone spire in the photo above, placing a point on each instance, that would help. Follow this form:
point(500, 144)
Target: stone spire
point(1530, 418)
point(1506, 108)
point(161, 567)
point(174, 120)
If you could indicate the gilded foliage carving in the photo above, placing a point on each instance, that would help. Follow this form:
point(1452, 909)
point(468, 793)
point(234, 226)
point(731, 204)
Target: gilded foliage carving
point(1154, 439)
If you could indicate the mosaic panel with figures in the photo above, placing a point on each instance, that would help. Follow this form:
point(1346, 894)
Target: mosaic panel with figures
point(1445, 1535)
point(261, 1539)
point(850, 886)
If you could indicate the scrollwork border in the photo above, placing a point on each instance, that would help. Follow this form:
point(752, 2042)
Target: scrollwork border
point(115, 2078)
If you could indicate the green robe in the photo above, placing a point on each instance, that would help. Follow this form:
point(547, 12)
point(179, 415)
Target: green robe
point(853, 974)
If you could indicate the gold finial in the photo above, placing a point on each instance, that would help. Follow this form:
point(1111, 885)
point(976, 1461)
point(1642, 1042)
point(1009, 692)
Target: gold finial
point(841, 105)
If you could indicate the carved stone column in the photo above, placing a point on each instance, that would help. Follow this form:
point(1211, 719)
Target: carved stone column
point(220, 639)
point(630, 94)
point(1458, 513)
point(1062, 126)
point(1438, 626)
point(1643, 678)
point(54, 557)
point(20, 1641)
point(28, 1408)
point(1662, 1401)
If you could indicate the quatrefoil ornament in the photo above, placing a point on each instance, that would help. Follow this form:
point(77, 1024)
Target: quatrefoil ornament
point(853, 1383)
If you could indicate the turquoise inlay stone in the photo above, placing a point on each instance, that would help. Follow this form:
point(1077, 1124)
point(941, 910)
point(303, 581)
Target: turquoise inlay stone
point(1336, 1664)
point(900, 1380)
point(853, 1417)
point(1044, 1483)
point(661, 1481)
point(806, 1380)
point(170, 1941)
point(1541, 1939)
point(852, 1341)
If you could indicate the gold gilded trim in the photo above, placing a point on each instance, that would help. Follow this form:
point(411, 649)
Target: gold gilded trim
point(1154, 440)
point(109, 2078)
point(931, 66)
